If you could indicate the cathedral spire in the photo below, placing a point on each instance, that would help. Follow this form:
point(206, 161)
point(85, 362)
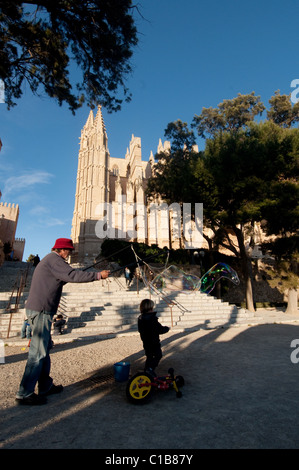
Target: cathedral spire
point(99, 120)
point(89, 122)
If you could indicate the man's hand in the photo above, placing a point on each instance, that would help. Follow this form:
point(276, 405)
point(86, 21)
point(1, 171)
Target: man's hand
point(104, 274)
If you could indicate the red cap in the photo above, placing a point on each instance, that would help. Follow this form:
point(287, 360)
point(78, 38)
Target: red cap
point(63, 243)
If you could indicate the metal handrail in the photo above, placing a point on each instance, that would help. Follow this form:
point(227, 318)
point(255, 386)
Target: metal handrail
point(21, 283)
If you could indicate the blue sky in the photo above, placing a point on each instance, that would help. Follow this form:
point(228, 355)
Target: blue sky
point(191, 54)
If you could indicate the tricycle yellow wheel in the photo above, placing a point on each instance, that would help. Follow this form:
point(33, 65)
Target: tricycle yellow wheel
point(139, 388)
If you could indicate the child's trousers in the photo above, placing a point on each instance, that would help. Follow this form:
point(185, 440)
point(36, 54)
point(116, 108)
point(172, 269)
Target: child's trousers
point(153, 357)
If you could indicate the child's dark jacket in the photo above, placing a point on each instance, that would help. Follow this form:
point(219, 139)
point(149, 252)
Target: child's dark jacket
point(150, 329)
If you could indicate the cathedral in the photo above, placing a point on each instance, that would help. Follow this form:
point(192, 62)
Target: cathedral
point(113, 186)
point(111, 201)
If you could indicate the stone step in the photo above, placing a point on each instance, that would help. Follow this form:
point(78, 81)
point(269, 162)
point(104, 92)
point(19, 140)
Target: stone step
point(103, 307)
point(93, 296)
point(128, 310)
point(113, 324)
point(90, 330)
point(71, 303)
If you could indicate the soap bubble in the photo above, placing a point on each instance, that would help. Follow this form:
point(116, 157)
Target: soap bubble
point(218, 271)
point(173, 279)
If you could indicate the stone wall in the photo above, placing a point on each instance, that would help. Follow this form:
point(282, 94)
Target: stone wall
point(9, 214)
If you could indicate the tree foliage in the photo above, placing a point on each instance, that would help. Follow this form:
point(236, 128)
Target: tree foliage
point(255, 171)
point(30, 258)
point(247, 173)
point(38, 39)
point(230, 115)
point(174, 166)
point(284, 273)
point(282, 112)
point(120, 252)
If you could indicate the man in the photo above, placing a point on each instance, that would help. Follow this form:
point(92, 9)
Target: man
point(46, 287)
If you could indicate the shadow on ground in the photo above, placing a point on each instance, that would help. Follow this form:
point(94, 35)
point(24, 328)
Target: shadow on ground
point(241, 391)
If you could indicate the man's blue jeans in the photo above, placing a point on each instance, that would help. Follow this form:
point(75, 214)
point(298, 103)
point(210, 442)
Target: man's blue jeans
point(38, 365)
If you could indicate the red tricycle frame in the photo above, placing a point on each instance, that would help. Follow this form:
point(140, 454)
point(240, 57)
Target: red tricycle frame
point(141, 386)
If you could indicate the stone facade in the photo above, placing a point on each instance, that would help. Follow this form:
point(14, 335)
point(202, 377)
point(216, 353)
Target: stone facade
point(106, 183)
point(119, 183)
point(18, 249)
point(9, 215)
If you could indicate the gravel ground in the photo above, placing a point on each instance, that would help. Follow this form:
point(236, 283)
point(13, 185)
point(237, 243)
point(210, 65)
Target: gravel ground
point(241, 391)
point(70, 362)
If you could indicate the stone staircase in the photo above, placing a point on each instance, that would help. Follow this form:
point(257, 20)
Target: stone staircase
point(90, 310)
point(10, 272)
point(108, 307)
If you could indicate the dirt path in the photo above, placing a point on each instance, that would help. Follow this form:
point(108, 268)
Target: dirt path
point(241, 391)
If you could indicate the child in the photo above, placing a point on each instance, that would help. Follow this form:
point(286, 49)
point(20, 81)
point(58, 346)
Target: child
point(150, 329)
point(127, 276)
point(26, 330)
point(59, 325)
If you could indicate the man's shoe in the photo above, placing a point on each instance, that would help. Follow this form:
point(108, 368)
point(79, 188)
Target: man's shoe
point(32, 400)
point(53, 390)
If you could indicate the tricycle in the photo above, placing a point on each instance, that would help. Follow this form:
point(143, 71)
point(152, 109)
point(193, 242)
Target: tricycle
point(141, 386)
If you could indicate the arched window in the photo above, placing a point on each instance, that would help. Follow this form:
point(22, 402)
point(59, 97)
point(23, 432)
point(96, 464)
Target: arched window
point(115, 170)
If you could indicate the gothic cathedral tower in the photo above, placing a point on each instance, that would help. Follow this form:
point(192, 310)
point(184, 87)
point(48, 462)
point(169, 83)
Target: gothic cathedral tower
point(92, 187)
point(119, 183)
